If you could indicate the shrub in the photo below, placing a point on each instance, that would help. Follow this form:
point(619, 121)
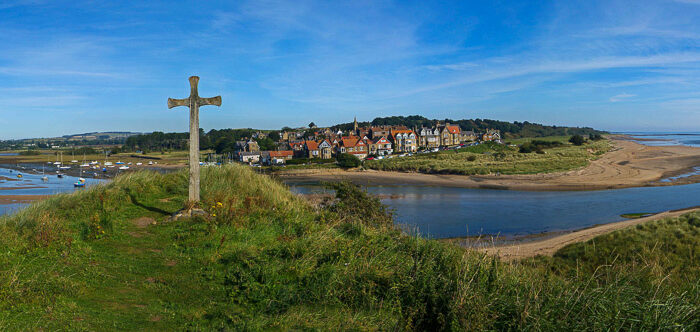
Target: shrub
point(577, 140)
point(347, 160)
point(471, 158)
point(29, 153)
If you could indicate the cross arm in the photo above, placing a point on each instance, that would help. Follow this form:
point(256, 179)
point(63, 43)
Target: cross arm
point(178, 102)
point(215, 101)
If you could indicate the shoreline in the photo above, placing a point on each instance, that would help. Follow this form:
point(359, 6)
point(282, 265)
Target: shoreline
point(550, 245)
point(628, 164)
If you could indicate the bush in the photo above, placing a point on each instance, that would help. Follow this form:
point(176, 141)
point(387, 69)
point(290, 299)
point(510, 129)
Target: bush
point(527, 148)
point(595, 137)
point(577, 140)
point(29, 153)
point(471, 158)
point(348, 161)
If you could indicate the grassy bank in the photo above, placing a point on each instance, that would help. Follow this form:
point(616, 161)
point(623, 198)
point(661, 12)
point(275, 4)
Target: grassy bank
point(490, 158)
point(105, 259)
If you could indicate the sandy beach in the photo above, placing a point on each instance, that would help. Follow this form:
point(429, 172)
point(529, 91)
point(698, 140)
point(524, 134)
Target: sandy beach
point(549, 246)
point(628, 164)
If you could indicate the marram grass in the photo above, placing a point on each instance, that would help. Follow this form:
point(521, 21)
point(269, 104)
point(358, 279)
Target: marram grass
point(93, 260)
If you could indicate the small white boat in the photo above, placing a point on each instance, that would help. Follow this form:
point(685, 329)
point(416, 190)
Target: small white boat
point(139, 164)
point(64, 167)
point(74, 161)
point(108, 163)
point(124, 167)
point(150, 163)
point(85, 165)
point(57, 163)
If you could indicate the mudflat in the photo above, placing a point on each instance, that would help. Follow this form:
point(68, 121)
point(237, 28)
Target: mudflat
point(628, 164)
point(12, 199)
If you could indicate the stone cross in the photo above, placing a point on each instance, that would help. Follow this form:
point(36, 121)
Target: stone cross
point(193, 102)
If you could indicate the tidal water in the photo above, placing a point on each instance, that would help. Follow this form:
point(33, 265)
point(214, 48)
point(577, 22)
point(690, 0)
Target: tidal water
point(440, 212)
point(31, 184)
point(666, 138)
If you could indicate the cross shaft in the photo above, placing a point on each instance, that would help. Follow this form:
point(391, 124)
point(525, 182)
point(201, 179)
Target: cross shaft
point(193, 102)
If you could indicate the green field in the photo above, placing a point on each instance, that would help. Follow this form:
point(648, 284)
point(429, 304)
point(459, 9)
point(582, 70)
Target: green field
point(267, 260)
point(491, 158)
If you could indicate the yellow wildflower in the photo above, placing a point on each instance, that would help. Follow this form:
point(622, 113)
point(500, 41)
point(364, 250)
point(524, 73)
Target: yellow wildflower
point(219, 204)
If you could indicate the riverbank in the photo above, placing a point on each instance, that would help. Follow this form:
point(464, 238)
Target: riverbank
point(550, 245)
point(628, 164)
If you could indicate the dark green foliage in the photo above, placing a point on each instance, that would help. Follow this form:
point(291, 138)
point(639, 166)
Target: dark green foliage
point(348, 160)
point(29, 152)
point(595, 137)
point(355, 205)
point(577, 140)
point(538, 146)
point(274, 135)
point(266, 144)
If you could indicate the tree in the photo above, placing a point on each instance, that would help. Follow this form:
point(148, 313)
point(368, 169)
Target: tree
point(273, 135)
point(577, 140)
point(312, 125)
point(348, 161)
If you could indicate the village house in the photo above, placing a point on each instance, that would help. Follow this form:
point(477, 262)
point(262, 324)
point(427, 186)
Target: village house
point(380, 146)
point(276, 157)
point(429, 138)
point(325, 149)
point(379, 132)
point(450, 135)
point(491, 135)
point(404, 140)
point(252, 146)
point(311, 150)
point(249, 157)
point(468, 136)
point(298, 148)
point(353, 145)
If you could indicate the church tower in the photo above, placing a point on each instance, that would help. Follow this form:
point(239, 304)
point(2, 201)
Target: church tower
point(354, 127)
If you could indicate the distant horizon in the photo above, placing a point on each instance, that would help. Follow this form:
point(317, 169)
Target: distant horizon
point(76, 66)
point(184, 130)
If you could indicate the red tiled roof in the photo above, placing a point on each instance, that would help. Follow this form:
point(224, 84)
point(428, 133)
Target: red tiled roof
point(311, 145)
point(453, 129)
point(285, 153)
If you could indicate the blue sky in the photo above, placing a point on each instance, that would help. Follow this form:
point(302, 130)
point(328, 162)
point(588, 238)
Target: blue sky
point(78, 66)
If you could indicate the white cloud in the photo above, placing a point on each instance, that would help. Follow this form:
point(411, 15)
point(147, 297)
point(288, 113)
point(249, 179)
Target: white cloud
point(621, 97)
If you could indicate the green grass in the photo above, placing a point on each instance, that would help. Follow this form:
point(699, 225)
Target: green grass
point(491, 158)
point(269, 261)
point(635, 215)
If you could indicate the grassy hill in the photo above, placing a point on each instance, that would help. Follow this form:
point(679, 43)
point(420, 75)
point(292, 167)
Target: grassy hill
point(107, 259)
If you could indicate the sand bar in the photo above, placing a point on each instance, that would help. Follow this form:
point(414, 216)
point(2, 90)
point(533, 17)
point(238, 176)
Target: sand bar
point(549, 246)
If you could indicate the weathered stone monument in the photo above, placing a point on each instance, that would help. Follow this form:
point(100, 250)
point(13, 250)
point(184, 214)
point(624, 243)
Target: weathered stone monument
point(193, 102)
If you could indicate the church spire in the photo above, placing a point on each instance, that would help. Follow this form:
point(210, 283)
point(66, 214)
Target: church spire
point(355, 125)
